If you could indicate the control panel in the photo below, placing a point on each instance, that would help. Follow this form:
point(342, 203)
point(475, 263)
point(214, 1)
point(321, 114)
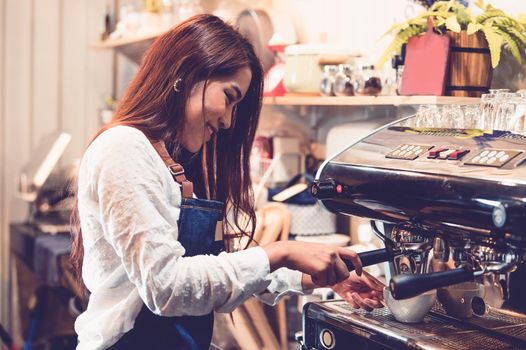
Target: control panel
point(486, 157)
point(408, 152)
point(493, 158)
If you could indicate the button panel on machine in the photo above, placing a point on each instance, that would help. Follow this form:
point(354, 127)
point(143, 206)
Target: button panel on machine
point(488, 157)
point(492, 157)
point(447, 152)
point(408, 152)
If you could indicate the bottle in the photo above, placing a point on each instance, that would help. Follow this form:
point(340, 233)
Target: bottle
point(152, 6)
point(399, 74)
point(397, 63)
point(107, 24)
point(372, 85)
point(327, 81)
point(343, 84)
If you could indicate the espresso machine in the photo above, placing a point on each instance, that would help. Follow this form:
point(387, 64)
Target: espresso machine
point(450, 206)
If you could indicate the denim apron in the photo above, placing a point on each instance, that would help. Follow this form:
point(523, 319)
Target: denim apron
point(197, 230)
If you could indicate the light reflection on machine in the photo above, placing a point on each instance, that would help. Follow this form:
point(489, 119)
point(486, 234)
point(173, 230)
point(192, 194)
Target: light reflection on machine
point(450, 206)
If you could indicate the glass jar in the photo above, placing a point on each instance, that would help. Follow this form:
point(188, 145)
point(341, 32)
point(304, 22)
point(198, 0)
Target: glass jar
point(369, 82)
point(343, 83)
point(452, 117)
point(187, 8)
point(327, 81)
point(399, 74)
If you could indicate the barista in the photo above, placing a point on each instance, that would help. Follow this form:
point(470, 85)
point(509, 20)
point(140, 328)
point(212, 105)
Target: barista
point(145, 242)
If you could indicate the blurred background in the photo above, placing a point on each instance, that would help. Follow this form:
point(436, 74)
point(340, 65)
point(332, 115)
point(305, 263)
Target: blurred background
point(64, 65)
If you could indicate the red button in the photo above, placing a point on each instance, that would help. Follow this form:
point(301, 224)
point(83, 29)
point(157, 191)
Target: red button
point(459, 153)
point(339, 188)
point(436, 152)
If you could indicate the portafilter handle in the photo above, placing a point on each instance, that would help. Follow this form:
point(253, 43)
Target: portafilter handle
point(372, 257)
point(409, 285)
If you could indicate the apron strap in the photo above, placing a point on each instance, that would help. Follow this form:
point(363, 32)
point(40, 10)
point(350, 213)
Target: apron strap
point(176, 169)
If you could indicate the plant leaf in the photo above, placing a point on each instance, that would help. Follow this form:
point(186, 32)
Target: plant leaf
point(396, 45)
point(494, 42)
point(512, 44)
point(452, 24)
point(464, 16)
point(522, 20)
point(450, 4)
point(517, 33)
point(473, 28)
point(439, 6)
point(512, 32)
point(394, 29)
point(480, 4)
point(489, 13)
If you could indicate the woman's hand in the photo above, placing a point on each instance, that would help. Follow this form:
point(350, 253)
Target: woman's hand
point(363, 291)
point(324, 263)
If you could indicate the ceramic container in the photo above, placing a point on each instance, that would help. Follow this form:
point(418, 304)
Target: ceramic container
point(410, 310)
point(304, 66)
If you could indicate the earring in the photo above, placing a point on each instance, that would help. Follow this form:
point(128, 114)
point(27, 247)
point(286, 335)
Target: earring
point(176, 85)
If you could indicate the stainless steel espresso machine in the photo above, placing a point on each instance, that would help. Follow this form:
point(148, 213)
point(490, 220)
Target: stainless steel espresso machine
point(450, 205)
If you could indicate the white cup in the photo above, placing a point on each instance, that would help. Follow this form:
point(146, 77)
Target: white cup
point(410, 310)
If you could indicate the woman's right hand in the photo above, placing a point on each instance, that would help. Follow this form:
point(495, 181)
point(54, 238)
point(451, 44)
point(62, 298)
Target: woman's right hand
point(323, 262)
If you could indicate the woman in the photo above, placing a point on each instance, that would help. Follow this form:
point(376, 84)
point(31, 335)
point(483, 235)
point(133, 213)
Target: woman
point(145, 244)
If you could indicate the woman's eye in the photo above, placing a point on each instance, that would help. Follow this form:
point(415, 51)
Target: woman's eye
point(228, 98)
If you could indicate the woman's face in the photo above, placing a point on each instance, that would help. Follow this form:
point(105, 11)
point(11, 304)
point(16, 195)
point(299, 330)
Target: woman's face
point(204, 119)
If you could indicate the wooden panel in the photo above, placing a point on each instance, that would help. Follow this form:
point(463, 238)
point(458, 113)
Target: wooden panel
point(99, 70)
point(15, 130)
point(73, 75)
point(49, 80)
point(4, 263)
point(86, 73)
point(470, 72)
point(18, 76)
point(46, 59)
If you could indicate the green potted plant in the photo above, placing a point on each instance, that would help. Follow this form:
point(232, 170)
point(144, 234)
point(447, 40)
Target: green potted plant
point(488, 30)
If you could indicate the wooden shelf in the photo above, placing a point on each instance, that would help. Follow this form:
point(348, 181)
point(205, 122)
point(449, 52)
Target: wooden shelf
point(306, 100)
point(117, 43)
point(132, 47)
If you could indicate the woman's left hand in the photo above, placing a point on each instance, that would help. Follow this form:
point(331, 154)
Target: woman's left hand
point(363, 291)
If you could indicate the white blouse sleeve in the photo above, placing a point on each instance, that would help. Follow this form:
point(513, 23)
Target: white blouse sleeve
point(137, 216)
point(283, 282)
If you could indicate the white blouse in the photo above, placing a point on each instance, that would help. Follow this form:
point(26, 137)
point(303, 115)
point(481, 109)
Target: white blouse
point(129, 205)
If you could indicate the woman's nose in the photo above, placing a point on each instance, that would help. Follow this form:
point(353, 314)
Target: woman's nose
point(226, 121)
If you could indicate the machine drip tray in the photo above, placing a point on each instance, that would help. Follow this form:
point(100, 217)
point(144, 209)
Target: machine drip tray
point(438, 330)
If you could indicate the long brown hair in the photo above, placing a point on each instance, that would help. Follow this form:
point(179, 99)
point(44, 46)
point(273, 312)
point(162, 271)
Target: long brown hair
point(201, 48)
